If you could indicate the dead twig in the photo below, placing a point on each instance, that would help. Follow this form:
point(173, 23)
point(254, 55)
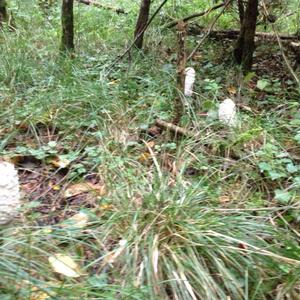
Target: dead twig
point(281, 46)
point(173, 128)
point(120, 57)
point(97, 4)
point(209, 30)
point(195, 15)
point(233, 34)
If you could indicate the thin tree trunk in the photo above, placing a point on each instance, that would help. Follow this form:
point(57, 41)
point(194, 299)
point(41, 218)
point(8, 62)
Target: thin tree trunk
point(241, 9)
point(245, 45)
point(181, 64)
point(67, 22)
point(141, 23)
point(3, 12)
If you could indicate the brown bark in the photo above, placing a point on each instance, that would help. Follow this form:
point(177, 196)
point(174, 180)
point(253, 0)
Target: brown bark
point(67, 22)
point(234, 34)
point(181, 64)
point(241, 9)
point(3, 12)
point(141, 23)
point(96, 4)
point(173, 128)
point(245, 45)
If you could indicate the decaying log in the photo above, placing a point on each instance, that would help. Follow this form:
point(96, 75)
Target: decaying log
point(233, 34)
point(97, 4)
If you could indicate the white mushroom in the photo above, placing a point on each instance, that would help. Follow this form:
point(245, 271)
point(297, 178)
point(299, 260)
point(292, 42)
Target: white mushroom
point(227, 113)
point(9, 192)
point(190, 75)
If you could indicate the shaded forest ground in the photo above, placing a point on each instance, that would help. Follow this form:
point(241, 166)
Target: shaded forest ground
point(192, 212)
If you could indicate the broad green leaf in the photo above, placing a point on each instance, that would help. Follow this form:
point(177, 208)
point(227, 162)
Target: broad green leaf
point(262, 84)
point(282, 196)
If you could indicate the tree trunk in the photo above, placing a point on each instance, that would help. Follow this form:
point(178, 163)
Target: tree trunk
point(241, 9)
point(67, 22)
point(3, 12)
point(245, 45)
point(181, 64)
point(141, 23)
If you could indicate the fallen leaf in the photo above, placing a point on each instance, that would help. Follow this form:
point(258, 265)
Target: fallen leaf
point(65, 265)
point(224, 199)
point(79, 220)
point(113, 255)
point(231, 90)
point(106, 206)
point(150, 144)
point(79, 188)
point(60, 162)
point(145, 158)
point(38, 295)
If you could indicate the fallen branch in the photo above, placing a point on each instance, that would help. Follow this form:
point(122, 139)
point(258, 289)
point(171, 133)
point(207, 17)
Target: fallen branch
point(289, 67)
point(233, 34)
point(97, 4)
point(210, 28)
point(173, 128)
point(195, 15)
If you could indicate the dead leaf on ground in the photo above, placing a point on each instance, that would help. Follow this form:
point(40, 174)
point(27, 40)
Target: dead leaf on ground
point(38, 295)
point(231, 90)
point(60, 162)
point(80, 220)
point(84, 187)
point(224, 199)
point(145, 158)
point(65, 265)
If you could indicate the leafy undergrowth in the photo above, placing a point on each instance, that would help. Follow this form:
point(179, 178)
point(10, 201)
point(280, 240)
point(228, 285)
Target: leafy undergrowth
point(115, 208)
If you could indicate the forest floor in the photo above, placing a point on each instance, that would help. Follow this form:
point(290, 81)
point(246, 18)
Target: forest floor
point(114, 207)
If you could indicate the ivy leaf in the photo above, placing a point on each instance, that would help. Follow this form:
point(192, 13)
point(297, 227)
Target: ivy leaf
point(263, 166)
point(291, 168)
point(262, 84)
point(283, 197)
point(276, 175)
point(297, 138)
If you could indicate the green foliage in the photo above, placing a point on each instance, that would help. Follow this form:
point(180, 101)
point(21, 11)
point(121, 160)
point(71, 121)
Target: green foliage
point(182, 241)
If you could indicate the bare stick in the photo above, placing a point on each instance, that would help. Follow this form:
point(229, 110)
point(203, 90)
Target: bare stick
point(209, 30)
point(281, 47)
point(173, 128)
point(233, 34)
point(195, 15)
point(97, 4)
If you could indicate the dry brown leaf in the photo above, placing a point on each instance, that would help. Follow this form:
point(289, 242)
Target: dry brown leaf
point(83, 187)
point(224, 199)
point(145, 158)
point(38, 295)
point(231, 90)
point(60, 162)
point(113, 255)
point(150, 144)
point(106, 207)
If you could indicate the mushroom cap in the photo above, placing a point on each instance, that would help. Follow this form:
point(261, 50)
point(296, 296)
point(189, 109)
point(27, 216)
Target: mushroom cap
point(9, 192)
point(227, 112)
